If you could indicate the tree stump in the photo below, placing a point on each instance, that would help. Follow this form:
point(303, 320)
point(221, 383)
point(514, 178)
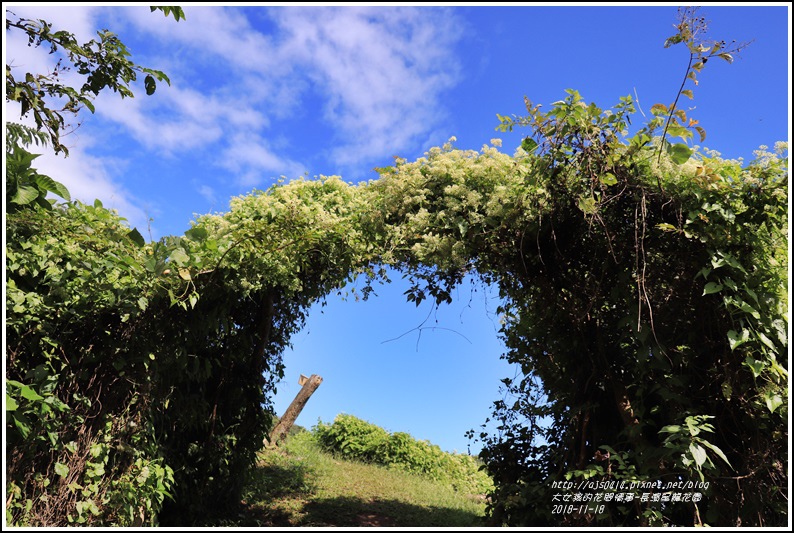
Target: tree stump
point(279, 432)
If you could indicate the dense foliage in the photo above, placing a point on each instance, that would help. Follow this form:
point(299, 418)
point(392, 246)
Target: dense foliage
point(112, 356)
point(101, 64)
point(351, 437)
point(645, 302)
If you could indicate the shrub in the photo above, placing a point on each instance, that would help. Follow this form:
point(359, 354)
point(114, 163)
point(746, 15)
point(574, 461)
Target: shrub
point(354, 438)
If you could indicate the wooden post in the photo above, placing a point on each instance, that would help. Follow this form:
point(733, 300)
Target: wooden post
point(291, 414)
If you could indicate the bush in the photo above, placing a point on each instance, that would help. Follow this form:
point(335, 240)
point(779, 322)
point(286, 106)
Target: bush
point(354, 438)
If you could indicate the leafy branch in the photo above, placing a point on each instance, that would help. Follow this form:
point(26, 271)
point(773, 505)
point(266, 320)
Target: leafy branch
point(104, 62)
point(691, 28)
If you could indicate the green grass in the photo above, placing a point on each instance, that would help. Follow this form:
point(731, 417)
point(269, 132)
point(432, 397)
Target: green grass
point(300, 485)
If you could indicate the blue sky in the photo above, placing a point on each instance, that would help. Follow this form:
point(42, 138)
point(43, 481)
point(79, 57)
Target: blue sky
point(263, 92)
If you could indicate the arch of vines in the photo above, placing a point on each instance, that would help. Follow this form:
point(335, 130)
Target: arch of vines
point(645, 289)
point(646, 305)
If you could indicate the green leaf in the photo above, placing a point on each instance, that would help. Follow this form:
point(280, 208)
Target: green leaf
point(727, 390)
point(767, 341)
point(735, 340)
point(150, 264)
point(463, 227)
point(136, 237)
point(664, 226)
point(22, 424)
point(11, 404)
point(670, 429)
point(698, 453)
point(711, 288)
point(750, 310)
point(716, 450)
point(675, 39)
point(89, 104)
point(176, 11)
point(688, 93)
point(529, 144)
point(587, 205)
point(755, 365)
point(197, 234)
point(680, 132)
point(61, 469)
point(149, 84)
point(680, 153)
point(609, 179)
point(692, 426)
point(773, 400)
point(48, 184)
point(29, 394)
point(727, 57)
point(25, 195)
point(179, 257)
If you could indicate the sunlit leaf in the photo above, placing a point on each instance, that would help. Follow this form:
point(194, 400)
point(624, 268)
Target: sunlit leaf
point(587, 205)
point(688, 93)
point(698, 453)
point(675, 39)
point(664, 226)
point(756, 366)
point(179, 257)
point(11, 403)
point(609, 179)
point(772, 400)
point(680, 153)
point(735, 340)
point(61, 469)
point(29, 394)
point(197, 234)
point(716, 450)
point(766, 341)
point(25, 195)
point(711, 288)
point(22, 424)
point(529, 144)
point(679, 131)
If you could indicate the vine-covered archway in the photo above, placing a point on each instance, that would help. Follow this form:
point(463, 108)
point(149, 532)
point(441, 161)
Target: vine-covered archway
point(646, 307)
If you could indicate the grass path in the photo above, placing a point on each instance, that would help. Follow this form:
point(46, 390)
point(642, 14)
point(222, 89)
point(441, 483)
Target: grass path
point(300, 485)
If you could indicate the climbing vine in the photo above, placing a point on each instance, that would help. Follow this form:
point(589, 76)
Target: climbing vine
point(645, 304)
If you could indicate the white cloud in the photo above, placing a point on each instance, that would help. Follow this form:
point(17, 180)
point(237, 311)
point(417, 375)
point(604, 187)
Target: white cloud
point(214, 31)
point(89, 178)
point(179, 119)
point(377, 75)
point(80, 20)
point(208, 193)
point(253, 162)
point(381, 70)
